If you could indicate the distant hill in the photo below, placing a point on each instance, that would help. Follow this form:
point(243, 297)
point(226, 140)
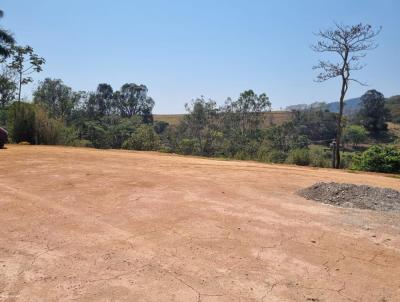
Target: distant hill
point(351, 106)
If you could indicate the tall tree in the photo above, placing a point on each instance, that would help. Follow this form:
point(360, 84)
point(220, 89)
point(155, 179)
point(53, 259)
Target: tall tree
point(200, 123)
point(132, 100)
point(351, 44)
point(56, 97)
point(6, 41)
point(373, 114)
point(25, 62)
point(101, 102)
point(7, 88)
point(248, 111)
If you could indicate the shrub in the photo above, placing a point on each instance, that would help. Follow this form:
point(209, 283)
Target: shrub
point(277, 156)
point(188, 146)
point(81, 143)
point(300, 157)
point(241, 155)
point(379, 159)
point(346, 160)
point(160, 126)
point(266, 154)
point(48, 130)
point(21, 122)
point(319, 157)
point(144, 138)
point(165, 149)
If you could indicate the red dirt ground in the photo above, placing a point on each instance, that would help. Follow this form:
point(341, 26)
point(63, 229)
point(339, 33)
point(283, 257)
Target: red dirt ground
point(91, 225)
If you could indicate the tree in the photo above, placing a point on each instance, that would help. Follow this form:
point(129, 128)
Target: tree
point(144, 138)
point(101, 103)
point(318, 125)
point(247, 111)
point(21, 122)
point(351, 44)
point(200, 124)
point(25, 62)
point(355, 135)
point(373, 114)
point(7, 88)
point(6, 41)
point(57, 98)
point(132, 100)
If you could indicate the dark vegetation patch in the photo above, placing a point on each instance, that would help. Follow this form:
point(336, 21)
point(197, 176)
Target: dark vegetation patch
point(353, 196)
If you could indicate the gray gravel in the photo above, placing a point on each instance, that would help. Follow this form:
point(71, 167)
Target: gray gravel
point(353, 196)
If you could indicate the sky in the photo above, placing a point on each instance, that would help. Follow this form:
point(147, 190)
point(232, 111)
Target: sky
point(185, 49)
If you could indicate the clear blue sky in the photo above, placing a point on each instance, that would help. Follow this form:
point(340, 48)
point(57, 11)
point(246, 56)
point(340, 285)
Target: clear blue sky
point(216, 48)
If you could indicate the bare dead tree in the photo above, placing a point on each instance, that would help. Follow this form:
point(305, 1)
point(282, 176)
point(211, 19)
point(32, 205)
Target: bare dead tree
point(351, 44)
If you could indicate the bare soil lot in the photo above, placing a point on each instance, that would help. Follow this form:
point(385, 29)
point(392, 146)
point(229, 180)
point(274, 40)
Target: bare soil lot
point(91, 225)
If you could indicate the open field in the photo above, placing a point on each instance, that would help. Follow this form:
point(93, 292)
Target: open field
point(91, 225)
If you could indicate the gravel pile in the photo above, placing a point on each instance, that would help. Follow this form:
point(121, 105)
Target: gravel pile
point(353, 196)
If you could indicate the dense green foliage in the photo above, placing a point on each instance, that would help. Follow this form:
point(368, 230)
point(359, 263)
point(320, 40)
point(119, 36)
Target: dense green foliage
point(355, 135)
point(373, 114)
point(379, 159)
point(144, 138)
point(21, 122)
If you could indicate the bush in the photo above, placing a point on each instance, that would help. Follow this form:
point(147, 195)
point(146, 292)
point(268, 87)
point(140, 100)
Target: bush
point(48, 130)
point(379, 159)
point(277, 156)
point(81, 143)
point(300, 157)
point(160, 126)
point(346, 160)
point(21, 122)
point(241, 155)
point(144, 138)
point(189, 146)
point(319, 157)
point(268, 155)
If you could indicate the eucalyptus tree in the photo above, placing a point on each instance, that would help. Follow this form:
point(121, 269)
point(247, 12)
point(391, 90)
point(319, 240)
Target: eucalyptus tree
point(350, 43)
point(373, 114)
point(101, 102)
point(132, 100)
point(247, 113)
point(56, 97)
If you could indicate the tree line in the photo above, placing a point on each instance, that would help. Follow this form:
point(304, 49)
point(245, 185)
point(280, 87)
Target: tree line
point(240, 129)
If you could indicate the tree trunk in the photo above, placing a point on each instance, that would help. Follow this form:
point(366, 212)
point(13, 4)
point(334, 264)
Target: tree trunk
point(345, 81)
point(20, 86)
point(339, 122)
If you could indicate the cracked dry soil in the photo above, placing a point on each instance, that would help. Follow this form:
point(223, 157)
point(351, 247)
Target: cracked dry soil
point(90, 225)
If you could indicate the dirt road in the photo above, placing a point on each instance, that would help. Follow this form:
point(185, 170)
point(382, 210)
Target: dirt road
point(91, 225)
